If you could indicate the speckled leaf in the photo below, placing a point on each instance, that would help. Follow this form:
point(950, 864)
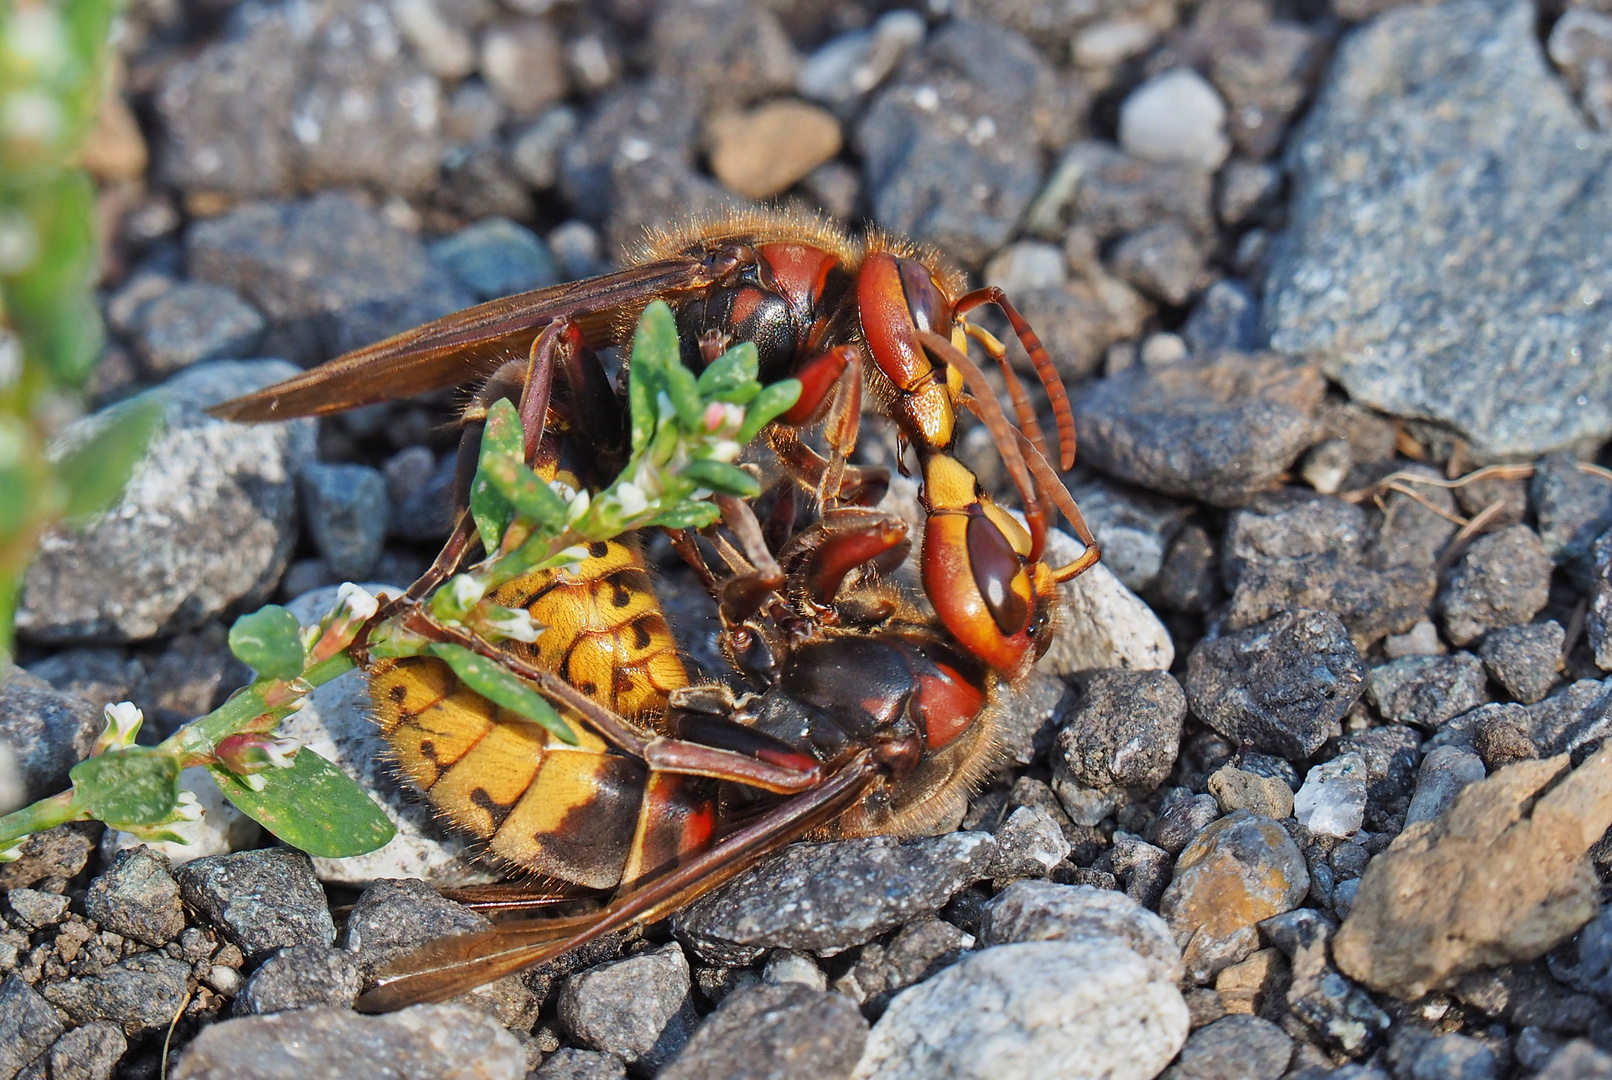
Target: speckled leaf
point(732, 376)
point(313, 806)
point(95, 473)
point(501, 440)
point(127, 787)
point(269, 641)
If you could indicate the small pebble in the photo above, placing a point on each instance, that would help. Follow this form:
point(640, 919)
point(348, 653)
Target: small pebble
point(1444, 772)
point(788, 1032)
point(301, 977)
point(1235, 1048)
point(137, 897)
point(765, 151)
point(1502, 579)
point(1332, 801)
point(1175, 118)
point(638, 1008)
point(1236, 789)
point(261, 900)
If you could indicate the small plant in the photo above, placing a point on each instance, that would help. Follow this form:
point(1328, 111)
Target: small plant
point(51, 66)
point(686, 434)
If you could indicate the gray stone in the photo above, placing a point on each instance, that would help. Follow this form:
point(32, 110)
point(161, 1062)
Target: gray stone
point(1234, 1048)
point(1029, 843)
point(828, 896)
point(91, 1052)
point(1078, 320)
point(1444, 772)
point(1395, 160)
point(1585, 961)
point(191, 322)
point(328, 273)
point(1577, 716)
point(348, 513)
point(391, 918)
point(523, 63)
point(33, 909)
point(1501, 580)
point(1339, 1014)
point(207, 521)
point(1164, 261)
point(1523, 659)
point(1175, 118)
point(1599, 623)
point(847, 66)
point(916, 952)
point(1391, 753)
point(1124, 731)
point(726, 48)
point(141, 994)
point(1282, 686)
point(1574, 507)
point(535, 152)
point(1181, 820)
point(1578, 1060)
point(1427, 690)
point(1581, 45)
point(495, 258)
point(1132, 527)
point(1007, 1012)
point(1043, 911)
point(1238, 871)
point(1417, 1054)
point(638, 1008)
point(137, 897)
point(567, 1064)
point(1110, 193)
point(1226, 316)
point(651, 121)
point(1219, 428)
point(1527, 995)
point(44, 733)
point(28, 1025)
point(55, 853)
point(947, 154)
point(301, 977)
point(260, 900)
point(774, 1033)
point(445, 1042)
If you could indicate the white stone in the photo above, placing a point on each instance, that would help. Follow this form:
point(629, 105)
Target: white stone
point(1045, 911)
point(788, 966)
point(1042, 1010)
point(1026, 265)
point(1111, 42)
point(336, 723)
point(13, 791)
point(1163, 349)
point(1175, 118)
point(1332, 801)
point(1420, 640)
point(848, 66)
point(221, 830)
point(443, 48)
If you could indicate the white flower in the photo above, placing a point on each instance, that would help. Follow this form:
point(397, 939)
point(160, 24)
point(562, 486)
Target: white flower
point(352, 602)
point(632, 499)
point(464, 592)
point(14, 851)
point(724, 450)
point(123, 721)
point(513, 624)
point(579, 506)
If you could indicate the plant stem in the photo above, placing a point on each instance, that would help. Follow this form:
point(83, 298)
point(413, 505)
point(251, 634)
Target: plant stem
point(42, 815)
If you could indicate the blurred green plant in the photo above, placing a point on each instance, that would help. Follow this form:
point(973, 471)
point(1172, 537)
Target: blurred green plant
point(52, 61)
point(687, 433)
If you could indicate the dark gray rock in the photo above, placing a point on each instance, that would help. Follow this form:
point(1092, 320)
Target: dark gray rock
point(1188, 579)
point(193, 321)
point(1417, 1054)
point(1340, 1015)
point(1390, 165)
point(1415, 529)
point(1029, 843)
point(1444, 772)
point(393, 917)
point(425, 512)
point(207, 521)
point(348, 514)
point(774, 1033)
point(1110, 193)
point(260, 900)
point(445, 1042)
point(141, 994)
point(567, 1064)
point(1030, 715)
point(1143, 869)
point(659, 193)
point(328, 273)
point(301, 977)
point(655, 121)
point(1584, 961)
point(1288, 525)
point(1574, 717)
point(60, 853)
point(1219, 429)
point(917, 951)
point(1574, 507)
point(1526, 995)
point(1179, 821)
point(1599, 623)
point(1427, 690)
point(496, 257)
point(1079, 319)
point(1165, 261)
point(342, 105)
point(1124, 731)
point(1282, 686)
point(1132, 527)
point(1503, 579)
point(1234, 1048)
point(32, 909)
point(829, 896)
point(947, 154)
point(1391, 754)
point(91, 1052)
point(1226, 316)
point(47, 733)
point(1242, 869)
point(1523, 659)
point(28, 1025)
point(729, 49)
point(638, 1008)
point(137, 897)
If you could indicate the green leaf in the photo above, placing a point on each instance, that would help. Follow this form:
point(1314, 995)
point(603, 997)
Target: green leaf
point(771, 403)
point(654, 351)
point(684, 391)
point(269, 641)
point(501, 687)
point(95, 473)
point(732, 376)
point(689, 515)
point(720, 476)
point(127, 787)
point(313, 806)
point(501, 440)
point(526, 492)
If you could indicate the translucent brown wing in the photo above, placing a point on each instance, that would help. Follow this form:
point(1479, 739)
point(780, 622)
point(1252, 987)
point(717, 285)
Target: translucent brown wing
point(449, 966)
point(466, 345)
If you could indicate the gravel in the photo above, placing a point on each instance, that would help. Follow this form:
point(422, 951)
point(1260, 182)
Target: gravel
point(776, 1033)
point(136, 896)
point(637, 1009)
point(1502, 580)
point(1524, 659)
point(260, 900)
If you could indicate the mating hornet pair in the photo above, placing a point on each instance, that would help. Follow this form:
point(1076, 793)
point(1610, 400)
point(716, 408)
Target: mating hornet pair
point(867, 717)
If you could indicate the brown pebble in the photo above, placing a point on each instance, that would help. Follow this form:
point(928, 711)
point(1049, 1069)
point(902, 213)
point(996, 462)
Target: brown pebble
point(1501, 740)
point(765, 150)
